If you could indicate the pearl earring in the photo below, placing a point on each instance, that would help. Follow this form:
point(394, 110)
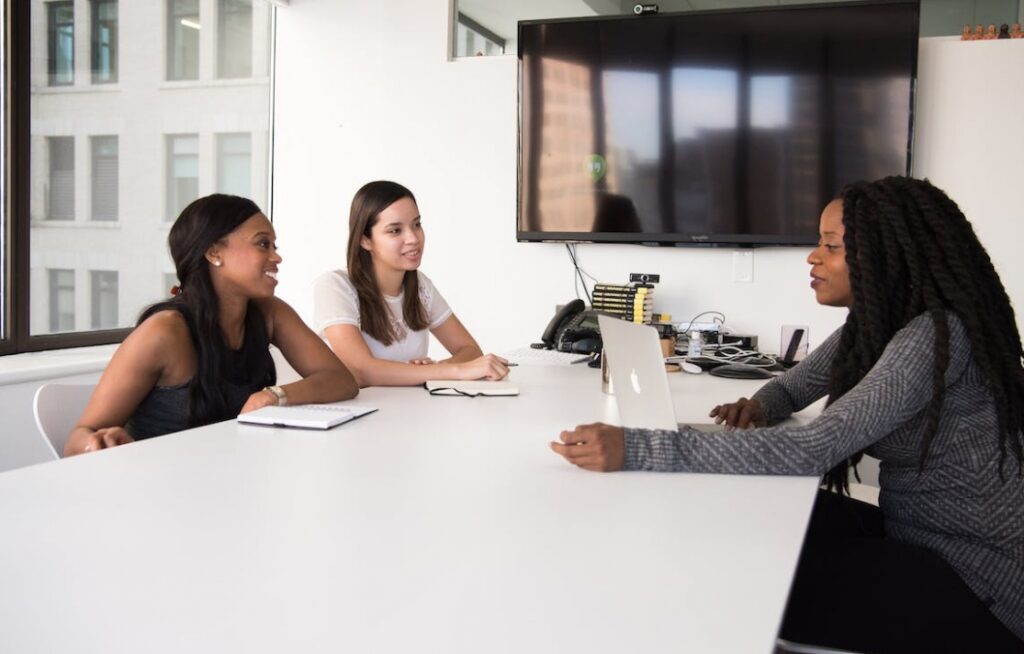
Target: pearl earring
point(218, 263)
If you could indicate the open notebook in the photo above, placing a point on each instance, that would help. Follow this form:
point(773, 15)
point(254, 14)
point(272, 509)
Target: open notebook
point(305, 416)
point(470, 388)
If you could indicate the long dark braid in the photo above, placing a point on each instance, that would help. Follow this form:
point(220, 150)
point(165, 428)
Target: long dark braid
point(910, 251)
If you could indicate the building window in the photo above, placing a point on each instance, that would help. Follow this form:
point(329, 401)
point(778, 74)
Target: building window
point(474, 40)
point(104, 177)
point(234, 167)
point(182, 39)
point(60, 22)
point(62, 178)
point(109, 161)
point(182, 172)
point(234, 38)
point(104, 41)
point(62, 300)
point(104, 299)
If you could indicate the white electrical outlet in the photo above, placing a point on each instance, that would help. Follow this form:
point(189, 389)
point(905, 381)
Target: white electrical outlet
point(743, 266)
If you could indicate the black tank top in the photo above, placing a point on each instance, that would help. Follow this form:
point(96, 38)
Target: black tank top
point(165, 408)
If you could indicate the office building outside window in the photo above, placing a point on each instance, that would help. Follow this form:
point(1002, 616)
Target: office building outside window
point(234, 51)
point(62, 178)
point(60, 21)
point(104, 41)
point(104, 177)
point(62, 300)
point(182, 172)
point(234, 167)
point(110, 165)
point(104, 299)
point(182, 39)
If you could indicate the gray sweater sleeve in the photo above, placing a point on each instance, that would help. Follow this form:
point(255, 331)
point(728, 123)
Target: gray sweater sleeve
point(802, 385)
point(894, 391)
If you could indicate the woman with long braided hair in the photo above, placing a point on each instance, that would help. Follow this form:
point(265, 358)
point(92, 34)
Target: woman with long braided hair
point(925, 375)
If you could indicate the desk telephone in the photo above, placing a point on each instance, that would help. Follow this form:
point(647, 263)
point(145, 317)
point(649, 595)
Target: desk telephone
point(573, 329)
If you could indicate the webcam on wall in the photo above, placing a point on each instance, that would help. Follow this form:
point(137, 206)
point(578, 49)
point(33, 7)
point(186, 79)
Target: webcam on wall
point(645, 10)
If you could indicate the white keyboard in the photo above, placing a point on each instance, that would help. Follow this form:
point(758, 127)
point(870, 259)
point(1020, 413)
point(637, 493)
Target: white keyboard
point(527, 356)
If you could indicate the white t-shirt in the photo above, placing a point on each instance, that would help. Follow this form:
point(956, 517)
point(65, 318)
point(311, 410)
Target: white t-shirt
point(335, 302)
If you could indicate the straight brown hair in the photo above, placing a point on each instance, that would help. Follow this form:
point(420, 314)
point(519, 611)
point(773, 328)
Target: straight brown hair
point(375, 318)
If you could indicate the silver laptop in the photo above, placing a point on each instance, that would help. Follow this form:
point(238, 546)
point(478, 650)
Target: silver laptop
point(637, 370)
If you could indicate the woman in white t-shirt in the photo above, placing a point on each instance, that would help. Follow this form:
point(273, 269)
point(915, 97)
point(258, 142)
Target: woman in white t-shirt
point(376, 315)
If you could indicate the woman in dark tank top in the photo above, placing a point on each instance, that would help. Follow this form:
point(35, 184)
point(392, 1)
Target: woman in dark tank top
point(165, 408)
point(203, 356)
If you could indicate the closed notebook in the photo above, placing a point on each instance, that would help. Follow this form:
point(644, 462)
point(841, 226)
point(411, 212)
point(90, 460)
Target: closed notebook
point(470, 388)
point(305, 416)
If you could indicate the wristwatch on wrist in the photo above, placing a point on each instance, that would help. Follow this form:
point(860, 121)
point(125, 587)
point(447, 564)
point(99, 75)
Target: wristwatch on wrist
point(278, 392)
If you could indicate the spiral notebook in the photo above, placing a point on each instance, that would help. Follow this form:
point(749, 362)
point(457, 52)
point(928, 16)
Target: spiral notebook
point(305, 416)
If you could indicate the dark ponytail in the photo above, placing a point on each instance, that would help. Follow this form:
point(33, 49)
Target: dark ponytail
point(201, 225)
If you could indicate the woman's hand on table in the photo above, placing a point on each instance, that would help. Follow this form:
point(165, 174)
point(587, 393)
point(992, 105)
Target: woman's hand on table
point(489, 366)
point(598, 447)
point(742, 413)
point(258, 400)
point(104, 438)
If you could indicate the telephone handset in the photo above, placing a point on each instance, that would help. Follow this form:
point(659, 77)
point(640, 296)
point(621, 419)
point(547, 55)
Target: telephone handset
point(568, 311)
point(573, 329)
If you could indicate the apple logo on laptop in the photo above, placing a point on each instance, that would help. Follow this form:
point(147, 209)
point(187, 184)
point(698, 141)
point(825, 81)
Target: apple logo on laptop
point(635, 379)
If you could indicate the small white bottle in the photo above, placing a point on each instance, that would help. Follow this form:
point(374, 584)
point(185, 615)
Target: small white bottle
point(695, 344)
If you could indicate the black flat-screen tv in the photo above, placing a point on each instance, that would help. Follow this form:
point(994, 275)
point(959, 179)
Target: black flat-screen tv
point(730, 128)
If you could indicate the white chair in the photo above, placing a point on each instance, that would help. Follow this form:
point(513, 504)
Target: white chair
point(57, 407)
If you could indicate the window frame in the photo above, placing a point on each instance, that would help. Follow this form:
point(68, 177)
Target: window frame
point(16, 335)
point(16, 294)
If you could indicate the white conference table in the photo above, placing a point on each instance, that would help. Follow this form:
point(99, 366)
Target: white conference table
point(437, 524)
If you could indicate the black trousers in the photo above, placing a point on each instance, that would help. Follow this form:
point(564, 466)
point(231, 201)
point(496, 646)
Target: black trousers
point(857, 590)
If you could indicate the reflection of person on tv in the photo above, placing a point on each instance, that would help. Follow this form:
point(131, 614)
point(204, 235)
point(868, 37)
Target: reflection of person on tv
point(616, 213)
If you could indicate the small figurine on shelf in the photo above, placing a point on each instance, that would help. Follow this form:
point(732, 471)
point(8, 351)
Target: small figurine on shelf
point(1004, 31)
point(1015, 32)
point(979, 32)
point(966, 34)
point(991, 33)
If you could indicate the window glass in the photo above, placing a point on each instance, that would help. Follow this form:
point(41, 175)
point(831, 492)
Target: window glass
point(182, 172)
point(234, 164)
point(104, 177)
point(183, 39)
point(112, 166)
point(62, 178)
point(104, 299)
point(234, 52)
point(62, 300)
point(61, 42)
point(474, 40)
point(104, 41)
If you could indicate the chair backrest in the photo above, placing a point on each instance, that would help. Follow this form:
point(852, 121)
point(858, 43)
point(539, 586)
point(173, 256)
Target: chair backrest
point(57, 407)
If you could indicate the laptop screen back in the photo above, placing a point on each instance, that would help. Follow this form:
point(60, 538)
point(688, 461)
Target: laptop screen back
point(637, 370)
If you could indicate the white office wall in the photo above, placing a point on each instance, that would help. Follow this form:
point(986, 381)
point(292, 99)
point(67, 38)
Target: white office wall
point(364, 92)
point(970, 142)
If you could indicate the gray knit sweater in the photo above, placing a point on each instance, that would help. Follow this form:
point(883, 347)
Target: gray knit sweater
point(957, 506)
